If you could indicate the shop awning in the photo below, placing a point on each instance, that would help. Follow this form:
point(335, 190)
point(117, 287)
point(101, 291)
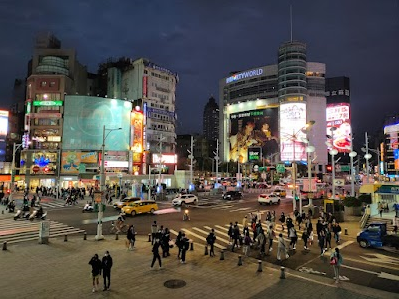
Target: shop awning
point(368, 188)
point(388, 189)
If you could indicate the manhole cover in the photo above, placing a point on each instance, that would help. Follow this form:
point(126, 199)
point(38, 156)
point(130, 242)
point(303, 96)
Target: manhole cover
point(174, 283)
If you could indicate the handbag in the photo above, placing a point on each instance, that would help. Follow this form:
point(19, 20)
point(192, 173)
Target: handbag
point(171, 244)
point(333, 261)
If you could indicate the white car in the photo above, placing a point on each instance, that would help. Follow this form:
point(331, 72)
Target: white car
point(268, 199)
point(184, 199)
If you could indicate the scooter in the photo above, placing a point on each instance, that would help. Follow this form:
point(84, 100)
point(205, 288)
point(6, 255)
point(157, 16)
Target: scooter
point(21, 214)
point(186, 217)
point(11, 207)
point(38, 213)
point(88, 207)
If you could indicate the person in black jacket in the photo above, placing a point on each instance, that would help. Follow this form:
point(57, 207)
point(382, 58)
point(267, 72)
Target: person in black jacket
point(165, 243)
point(211, 241)
point(131, 237)
point(95, 270)
point(185, 245)
point(106, 267)
point(156, 256)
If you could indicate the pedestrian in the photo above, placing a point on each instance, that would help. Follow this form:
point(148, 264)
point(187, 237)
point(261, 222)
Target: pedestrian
point(396, 208)
point(185, 245)
point(247, 243)
point(380, 208)
point(154, 230)
point(211, 239)
point(106, 267)
point(293, 236)
point(305, 237)
point(322, 240)
point(270, 235)
point(273, 218)
point(319, 226)
point(235, 236)
point(179, 243)
point(262, 242)
point(395, 223)
point(337, 232)
point(281, 248)
point(95, 271)
point(299, 220)
point(258, 216)
point(282, 220)
point(155, 253)
point(328, 237)
point(131, 237)
point(336, 262)
point(245, 222)
point(268, 218)
point(165, 243)
point(230, 233)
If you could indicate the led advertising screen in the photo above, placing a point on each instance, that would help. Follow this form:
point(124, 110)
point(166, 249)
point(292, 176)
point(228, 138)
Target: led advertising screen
point(76, 162)
point(136, 132)
point(292, 121)
point(338, 115)
point(84, 118)
point(254, 128)
point(3, 133)
point(396, 158)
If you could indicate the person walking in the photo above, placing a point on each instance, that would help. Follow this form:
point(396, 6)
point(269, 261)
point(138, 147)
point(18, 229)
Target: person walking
point(154, 230)
point(282, 219)
point(185, 245)
point(305, 237)
point(106, 267)
point(281, 248)
point(262, 242)
point(322, 240)
point(270, 235)
point(155, 253)
point(336, 261)
point(273, 218)
point(328, 237)
point(395, 222)
point(211, 239)
point(293, 236)
point(179, 243)
point(380, 208)
point(96, 265)
point(165, 243)
point(247, 243)
point(337, 232)
point(230, 233)
point(131, 237)
point(235, 236)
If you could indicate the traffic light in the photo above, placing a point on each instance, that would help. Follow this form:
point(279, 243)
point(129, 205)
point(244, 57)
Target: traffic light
point(329, 168)
point(296, 197)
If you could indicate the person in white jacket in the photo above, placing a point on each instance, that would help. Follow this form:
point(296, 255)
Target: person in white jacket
point(395, 223)
point(281, 248)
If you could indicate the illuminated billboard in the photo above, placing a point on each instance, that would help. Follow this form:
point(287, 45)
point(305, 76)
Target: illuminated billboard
point(3, 133)
point(136, 130)
point(338, 115)
point(396, 158)
point(84, 118)
point(292, 121)
point(166, 159)
point(76, 162)
point(254, 128)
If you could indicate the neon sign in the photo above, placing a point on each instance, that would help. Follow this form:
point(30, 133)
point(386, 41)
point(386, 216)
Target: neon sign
point(243, 75)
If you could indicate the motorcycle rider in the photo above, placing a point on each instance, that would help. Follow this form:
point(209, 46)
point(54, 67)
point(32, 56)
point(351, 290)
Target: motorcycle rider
point(120, 221)
point(11, 206)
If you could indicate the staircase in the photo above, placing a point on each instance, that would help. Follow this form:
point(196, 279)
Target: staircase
point(383, 220)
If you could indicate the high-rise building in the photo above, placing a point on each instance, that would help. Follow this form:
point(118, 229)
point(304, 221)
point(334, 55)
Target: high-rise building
point(263, 109)
point(210, 120)
point(390, 148)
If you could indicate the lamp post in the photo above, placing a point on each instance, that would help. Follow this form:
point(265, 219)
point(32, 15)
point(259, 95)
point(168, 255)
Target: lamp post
point(378, 153)
point(352, 154)
point(333, 152)
point(161, 138)
point(99, 235)
point(14, 150)
point(309, 149)
point(367, 156)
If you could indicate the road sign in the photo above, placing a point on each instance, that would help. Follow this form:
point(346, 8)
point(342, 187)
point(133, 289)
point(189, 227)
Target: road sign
point(35, 168)
point(256, 167)
point(339, 182)
point(345, 168)
point(119, 175)
point(280, 168)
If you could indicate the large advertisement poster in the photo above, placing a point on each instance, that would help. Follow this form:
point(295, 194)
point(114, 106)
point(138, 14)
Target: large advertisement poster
point(3, 133)
point(292, 121)
point(137, 132)
point(254, 128)
point(396, 158)
point(84, 118)
point(76, 162)
point(338, 115)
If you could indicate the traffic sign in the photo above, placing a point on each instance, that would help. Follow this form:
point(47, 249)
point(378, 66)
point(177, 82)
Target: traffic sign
point(339, 182)
point(256, 167)
point(280, 168)
point(119, 175)
point(35, 168)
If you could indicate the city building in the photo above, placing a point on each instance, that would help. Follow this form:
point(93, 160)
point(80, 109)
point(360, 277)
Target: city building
point(272, 104)
point(390, 148)
point(210, 124)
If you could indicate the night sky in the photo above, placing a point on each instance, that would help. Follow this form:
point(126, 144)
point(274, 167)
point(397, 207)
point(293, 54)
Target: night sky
point(204, 40)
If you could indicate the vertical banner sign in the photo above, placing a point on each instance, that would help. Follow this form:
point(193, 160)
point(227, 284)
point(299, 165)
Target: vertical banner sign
point(145, 86)
point(338, 115)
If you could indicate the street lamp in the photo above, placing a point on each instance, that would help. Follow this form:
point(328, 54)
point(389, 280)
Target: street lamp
point(14, 150)
point(99, 235)
point(309, 150)
point(332, 152)
point(352, 154)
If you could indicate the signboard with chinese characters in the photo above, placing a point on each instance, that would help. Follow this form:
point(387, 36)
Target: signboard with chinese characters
point(254, 154)
point(338, 115)
point(292, 121)
point(47, 103)
point(136, 132)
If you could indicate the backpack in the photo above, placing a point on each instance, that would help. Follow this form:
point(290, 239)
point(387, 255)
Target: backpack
point(186, 245)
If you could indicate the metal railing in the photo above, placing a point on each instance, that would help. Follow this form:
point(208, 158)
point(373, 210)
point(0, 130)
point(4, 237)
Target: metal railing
point(364, 220)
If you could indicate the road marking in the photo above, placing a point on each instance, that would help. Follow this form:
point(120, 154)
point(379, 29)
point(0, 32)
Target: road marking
point(221, 227)
point(383, 275)
point(167, 211)
point(343, 245)
point(380, 258)
point(241, 210)
point(105, 219)
point(217, 231)
point(190, 233)
point(358, 269)
point(371, 264)
point(222, 207)
point(217, 238)
point(310, 270)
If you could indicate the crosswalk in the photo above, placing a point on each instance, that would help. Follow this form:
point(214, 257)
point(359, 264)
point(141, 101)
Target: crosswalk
point(25, 230)
point(52, 205)
point(199, 234)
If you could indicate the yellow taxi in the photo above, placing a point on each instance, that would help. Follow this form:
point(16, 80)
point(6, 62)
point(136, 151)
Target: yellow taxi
point(127, 200)
point(280, 192)
point(140, 207)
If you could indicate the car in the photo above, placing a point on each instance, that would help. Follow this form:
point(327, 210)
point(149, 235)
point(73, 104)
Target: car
point(140, 207)
point(280, 192)
point(231, 195)
point(268, 199)
point(262, 186)
point(184, 199)
point(120, 204)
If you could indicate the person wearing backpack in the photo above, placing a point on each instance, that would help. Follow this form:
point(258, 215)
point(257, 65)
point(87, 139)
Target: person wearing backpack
point(211, 239)
point(336, 262)
point(230, 233)
point(185, 246)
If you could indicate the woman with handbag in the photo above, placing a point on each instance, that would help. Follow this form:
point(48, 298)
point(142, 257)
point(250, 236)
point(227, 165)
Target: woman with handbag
point(336, 262)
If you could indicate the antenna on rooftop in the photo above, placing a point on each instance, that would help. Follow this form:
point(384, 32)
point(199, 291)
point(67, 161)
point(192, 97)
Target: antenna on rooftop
point(291, 20)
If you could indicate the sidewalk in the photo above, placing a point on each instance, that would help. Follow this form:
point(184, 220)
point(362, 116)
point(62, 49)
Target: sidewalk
point(61, 270)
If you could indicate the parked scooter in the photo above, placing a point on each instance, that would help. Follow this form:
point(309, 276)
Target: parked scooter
point(38, 213)
point(88, 207)
point(21, 214)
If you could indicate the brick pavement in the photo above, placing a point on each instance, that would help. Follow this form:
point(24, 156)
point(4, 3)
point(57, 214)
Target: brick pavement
point(61, 270)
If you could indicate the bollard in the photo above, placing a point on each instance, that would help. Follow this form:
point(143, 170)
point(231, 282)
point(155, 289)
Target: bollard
point(206, 250)
point(5, 245)
point(149, 237)
point(2, 211)
point(260, 266)
point(222, 255)
point(346, 231)
point(66, 238)
point(239, 261)
point(282, 274)
point(192, 246)
point(85, 236)
point(117, 236)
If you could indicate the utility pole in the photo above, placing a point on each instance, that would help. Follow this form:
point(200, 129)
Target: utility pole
point(367, 157)
point(191, 157)
point(217, 162)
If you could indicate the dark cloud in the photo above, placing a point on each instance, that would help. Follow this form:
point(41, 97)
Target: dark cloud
point(204, 40)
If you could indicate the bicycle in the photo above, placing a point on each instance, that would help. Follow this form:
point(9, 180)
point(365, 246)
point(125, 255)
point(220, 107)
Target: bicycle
point(114, 229)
